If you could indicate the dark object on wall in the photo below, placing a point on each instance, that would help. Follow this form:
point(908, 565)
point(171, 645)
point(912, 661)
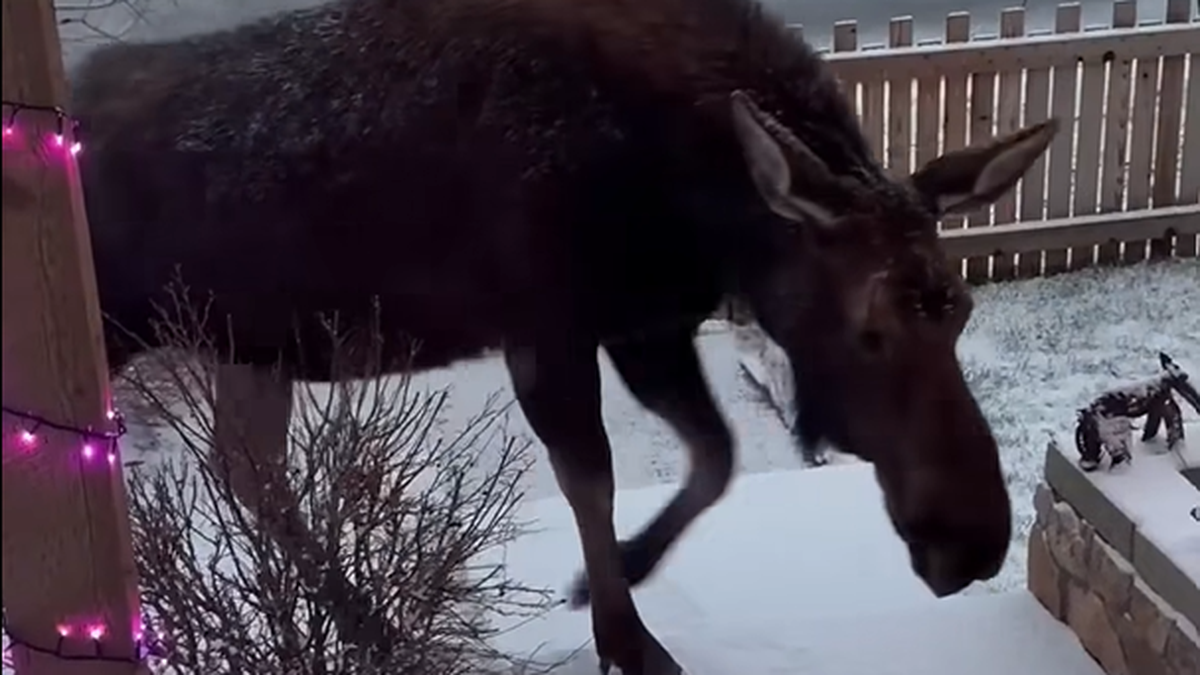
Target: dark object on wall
point(1105, 427)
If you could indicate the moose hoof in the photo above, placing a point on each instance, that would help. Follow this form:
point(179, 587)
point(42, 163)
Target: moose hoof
point(636, 565)
point(578, 596)
point(815, 461)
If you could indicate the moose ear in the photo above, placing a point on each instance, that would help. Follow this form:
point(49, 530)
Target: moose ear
point(973, 177)
point(782, 165)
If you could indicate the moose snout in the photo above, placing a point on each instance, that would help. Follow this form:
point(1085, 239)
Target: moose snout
point(947, 568)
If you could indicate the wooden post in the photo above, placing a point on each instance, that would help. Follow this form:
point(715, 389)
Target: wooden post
point(67, 554)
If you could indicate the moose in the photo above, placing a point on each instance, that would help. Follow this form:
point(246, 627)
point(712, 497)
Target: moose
point(547, 179)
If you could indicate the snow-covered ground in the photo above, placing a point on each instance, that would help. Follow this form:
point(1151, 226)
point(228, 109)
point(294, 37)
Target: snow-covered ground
point(796, 573)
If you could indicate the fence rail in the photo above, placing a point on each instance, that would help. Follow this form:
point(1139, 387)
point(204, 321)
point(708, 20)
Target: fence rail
point(1121, 182)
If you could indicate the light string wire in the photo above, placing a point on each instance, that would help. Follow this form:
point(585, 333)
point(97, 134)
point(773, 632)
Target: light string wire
point(29, 425)
point(63, 122)
point(142, 652)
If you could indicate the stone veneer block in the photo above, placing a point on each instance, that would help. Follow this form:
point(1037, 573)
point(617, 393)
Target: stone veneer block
point(1069, 481)
point(1123, 623)
point(1164, 576)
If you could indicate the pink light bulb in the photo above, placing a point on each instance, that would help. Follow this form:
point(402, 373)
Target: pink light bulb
point(8, 130)
point(96, 632)
point(88, 451)
point(111, 414)
point(58, 140)
point(63, 630)
point(28, 438)
point(112, 458)
point(76, 147)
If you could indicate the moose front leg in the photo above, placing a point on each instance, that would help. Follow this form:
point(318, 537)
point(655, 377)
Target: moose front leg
point(1116, 436)
point(1173, 421)
point(664, 373)
point(251, 420)
point(557, 382)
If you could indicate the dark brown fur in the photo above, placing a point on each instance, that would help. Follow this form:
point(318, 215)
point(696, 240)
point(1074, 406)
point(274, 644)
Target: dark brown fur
point(550, 177)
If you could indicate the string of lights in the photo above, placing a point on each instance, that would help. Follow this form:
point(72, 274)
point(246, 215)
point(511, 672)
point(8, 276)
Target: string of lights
point(77, 640)
point(94, 442)
point(67, 128)
point(65, 650)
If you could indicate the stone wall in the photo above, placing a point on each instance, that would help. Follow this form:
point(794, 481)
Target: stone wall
point(1084, 582)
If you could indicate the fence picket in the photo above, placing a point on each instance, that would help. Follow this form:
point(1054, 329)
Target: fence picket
point(1187, 245)
point(1141, 148)
point(929, 118)
point(1116, 123)
point(899, 125)
point(873, 114)
point(983, 103)
point(1008, 120)
point(958, 29)
point(1170, 119)
point(845, 39)
point(1032, 189)
point(1059, 171)
point(1088, 160)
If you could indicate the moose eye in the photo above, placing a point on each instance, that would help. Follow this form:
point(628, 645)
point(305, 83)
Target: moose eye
point(872, 341)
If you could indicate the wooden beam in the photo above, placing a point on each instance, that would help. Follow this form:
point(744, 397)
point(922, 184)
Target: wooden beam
point(67, 554)
point(1042, 51)
point(1067, 232)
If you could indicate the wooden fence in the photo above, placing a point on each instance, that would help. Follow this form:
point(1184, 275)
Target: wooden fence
point(1120, 184)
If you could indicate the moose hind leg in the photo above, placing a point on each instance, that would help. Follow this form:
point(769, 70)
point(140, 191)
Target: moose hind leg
point(558, 387)
point(1173, 421)
point(665, 375)
point(1154, 419)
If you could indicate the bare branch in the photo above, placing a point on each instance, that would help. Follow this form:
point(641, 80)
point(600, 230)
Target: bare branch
point(396, 569)
point(102, 20)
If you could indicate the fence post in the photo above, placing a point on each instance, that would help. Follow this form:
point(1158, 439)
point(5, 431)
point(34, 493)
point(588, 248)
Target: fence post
point(70, 582)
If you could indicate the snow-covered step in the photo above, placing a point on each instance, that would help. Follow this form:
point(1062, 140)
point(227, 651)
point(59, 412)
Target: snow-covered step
point(794, 573)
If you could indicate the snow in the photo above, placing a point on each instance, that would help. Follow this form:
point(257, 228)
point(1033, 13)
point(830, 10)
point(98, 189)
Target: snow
point(1165, 519)
point(807, 567)
point(1037, 350)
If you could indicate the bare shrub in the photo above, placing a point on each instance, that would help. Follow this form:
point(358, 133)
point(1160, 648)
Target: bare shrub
point(101, 20)
point(388, 564)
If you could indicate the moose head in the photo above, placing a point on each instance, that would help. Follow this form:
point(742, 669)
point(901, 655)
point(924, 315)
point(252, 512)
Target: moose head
point(869, 310)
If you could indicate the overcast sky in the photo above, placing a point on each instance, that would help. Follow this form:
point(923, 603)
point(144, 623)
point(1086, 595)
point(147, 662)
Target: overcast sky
point(171, 18)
